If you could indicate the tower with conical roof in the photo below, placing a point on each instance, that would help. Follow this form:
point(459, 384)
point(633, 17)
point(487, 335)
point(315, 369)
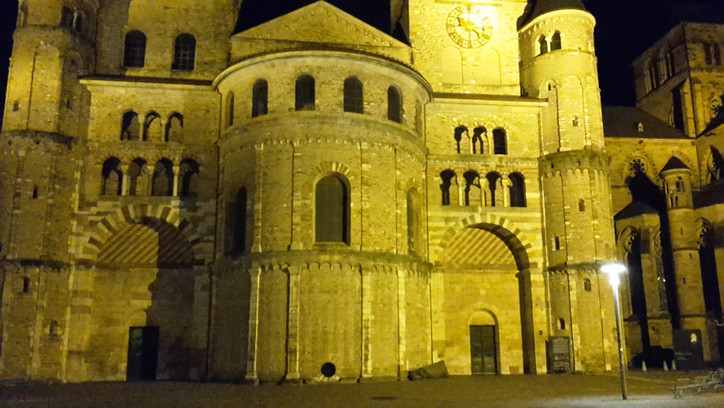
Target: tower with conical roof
point(558, 63)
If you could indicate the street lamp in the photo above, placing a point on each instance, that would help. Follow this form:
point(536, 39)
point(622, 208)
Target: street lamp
point(613, 271)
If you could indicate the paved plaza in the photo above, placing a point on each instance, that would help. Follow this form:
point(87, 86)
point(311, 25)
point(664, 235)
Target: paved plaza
point(652, 389)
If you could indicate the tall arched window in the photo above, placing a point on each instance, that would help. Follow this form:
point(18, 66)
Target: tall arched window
point(472, 188)
point(556, 41)
point(394, 104)
point(304, 93)
point(134, 53)
point(259, 98)
point(130, 126)
point(461, 133)
point(137, 178)
point(479, 135)
point(184, 56)
point(112, 177)
point(162, 178)
point(448, 178)
point(500, 143)
point(353, 101)
point(189, 178)
point(542, 45)
point(669, 63)
point(152, 128)
point(67, 17)
point(175, 128)
point(517, 190)
point(229, 109)
point(494, 193)
point(240, 221)
point(413, 222)
point(652, 75)
point(331, 210)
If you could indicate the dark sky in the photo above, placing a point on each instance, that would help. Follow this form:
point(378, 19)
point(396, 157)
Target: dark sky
point(625, 28)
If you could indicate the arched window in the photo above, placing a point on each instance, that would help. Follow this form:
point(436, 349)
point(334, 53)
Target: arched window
point(26, 285)
point(229, 109)
point(304, 93)
point(712, 55)
point(331, 210)
point(260, 97)
point(581, 205)
point(556, 243)
point(353, 101)
point(66, 17)
point(162, 178)
point(240, 221)
point(175, 128)
point(587, 285)
point(542, 45)
point(556, 41)
point(137, 178)
point(652, 75)
point(130, 126)
point(189, 178)
point(22, 14)
point(561, 324)
point(500, 144)
point(134, 53)
point(517, 190)
point(472, 188)
point(394, 104)
point(669, 63)
point(184, 55)
point(152, 128)
point(448, 178)
point(413, 222)
point(112, 177)
point(494, 189)
point(460, 132)
point(479, 135)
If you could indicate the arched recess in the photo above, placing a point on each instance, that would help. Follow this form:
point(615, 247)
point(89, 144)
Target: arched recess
point(489, 255)
point(175, 128)
point(707, 261)
point(178, 241)
point(629, 242)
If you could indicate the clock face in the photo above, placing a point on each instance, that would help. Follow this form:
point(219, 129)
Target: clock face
point(469, 27)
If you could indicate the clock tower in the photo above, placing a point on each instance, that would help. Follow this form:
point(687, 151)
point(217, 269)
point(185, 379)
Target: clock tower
point(466, 46)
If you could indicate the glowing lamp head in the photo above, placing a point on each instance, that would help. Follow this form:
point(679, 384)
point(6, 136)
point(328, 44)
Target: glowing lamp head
point(613, 271)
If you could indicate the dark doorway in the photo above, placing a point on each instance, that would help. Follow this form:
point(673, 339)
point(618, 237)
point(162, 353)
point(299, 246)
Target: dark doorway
point(483, 350)
point(142, 354)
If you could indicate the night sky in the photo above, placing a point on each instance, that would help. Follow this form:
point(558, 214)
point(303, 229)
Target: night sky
point(624, 29)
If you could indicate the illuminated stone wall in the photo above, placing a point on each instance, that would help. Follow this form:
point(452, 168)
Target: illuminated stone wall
point(149, 197)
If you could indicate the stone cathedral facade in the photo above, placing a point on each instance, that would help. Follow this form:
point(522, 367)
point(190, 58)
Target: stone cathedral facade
point(314, 198)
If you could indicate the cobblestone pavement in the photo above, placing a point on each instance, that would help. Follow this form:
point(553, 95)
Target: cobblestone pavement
point(652, 389)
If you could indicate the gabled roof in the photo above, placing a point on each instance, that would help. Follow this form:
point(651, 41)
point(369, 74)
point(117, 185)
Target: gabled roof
point(634, 209)
point(675, 163)
point(545, 6)
point(623, 121)
point(320, 22)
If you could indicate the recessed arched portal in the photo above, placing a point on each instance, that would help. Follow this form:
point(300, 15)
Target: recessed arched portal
point(488, 325)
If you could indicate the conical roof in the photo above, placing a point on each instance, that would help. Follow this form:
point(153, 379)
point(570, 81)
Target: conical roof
point(545, 6)
point(675, 163)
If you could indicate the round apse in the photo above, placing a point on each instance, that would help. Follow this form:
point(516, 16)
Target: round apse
point(328, 370)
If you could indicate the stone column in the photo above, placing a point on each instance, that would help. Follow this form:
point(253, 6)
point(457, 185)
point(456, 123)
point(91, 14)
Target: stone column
point(367, 298)
point(251, 374)
point(176, 170)
point(293, 373)
point(125, 179)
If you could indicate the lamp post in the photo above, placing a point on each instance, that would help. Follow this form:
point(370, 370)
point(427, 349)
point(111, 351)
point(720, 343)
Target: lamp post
point(613, 271)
